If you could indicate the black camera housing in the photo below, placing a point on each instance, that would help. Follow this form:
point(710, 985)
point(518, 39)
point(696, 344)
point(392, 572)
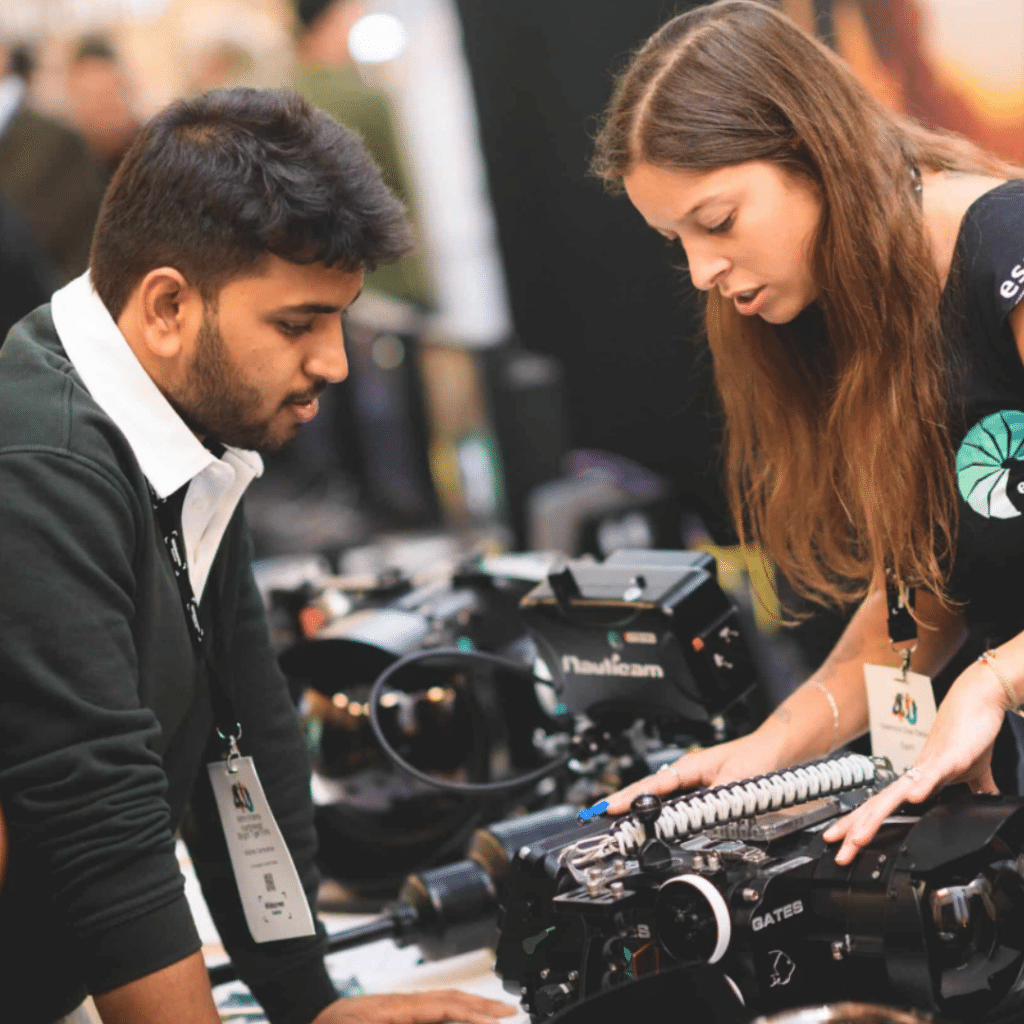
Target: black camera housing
point(643, 634)
point(929, 915)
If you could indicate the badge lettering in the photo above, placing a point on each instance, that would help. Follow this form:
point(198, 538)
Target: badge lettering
point(242, 797)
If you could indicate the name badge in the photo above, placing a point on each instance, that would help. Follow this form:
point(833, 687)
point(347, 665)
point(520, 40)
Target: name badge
point(901, 710)
point(273, 899)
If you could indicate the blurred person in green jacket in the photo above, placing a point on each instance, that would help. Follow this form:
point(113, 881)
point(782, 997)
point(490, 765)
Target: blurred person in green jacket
point(329, 78)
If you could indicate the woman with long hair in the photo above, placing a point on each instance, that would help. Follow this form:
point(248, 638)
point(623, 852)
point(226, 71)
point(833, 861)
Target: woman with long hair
point(861, 277)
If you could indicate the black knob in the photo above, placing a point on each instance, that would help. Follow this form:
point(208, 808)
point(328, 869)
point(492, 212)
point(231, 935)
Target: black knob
point(646, 808)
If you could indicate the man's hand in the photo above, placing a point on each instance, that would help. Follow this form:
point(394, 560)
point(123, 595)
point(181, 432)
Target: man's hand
point(417, 1008)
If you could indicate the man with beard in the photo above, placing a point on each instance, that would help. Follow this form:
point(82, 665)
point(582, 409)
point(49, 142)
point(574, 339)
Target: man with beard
point(138, 677)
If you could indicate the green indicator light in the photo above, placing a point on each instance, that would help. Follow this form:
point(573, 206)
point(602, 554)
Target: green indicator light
point(614, 640)
point(465, 644)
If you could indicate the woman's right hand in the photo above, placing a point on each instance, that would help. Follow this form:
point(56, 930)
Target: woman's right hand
point(756, 754)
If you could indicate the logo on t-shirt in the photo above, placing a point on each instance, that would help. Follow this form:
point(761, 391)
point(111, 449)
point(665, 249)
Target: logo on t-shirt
point(1011, 287)
point(990, 465)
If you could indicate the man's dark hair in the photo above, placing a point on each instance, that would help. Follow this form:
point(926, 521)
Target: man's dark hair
point(213, 184)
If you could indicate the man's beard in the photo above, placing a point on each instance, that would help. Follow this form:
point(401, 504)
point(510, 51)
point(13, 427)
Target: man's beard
point(215, 402)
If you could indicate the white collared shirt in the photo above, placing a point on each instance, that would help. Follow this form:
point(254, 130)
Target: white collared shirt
point(168, 452)
point(12, 90)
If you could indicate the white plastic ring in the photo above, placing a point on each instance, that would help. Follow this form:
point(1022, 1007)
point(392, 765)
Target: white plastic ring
point(718, 907)
point(736, 989)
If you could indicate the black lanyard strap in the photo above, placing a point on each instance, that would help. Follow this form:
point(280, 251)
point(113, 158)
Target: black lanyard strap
point(168, 516)
point(902, 627)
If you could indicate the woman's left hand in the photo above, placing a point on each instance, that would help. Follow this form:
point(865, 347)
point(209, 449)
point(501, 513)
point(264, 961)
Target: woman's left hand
point(958, 749)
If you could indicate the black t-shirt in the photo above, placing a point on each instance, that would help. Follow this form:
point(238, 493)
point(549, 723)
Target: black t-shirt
point(986, 282)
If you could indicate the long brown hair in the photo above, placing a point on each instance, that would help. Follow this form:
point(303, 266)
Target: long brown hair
point(837, 440)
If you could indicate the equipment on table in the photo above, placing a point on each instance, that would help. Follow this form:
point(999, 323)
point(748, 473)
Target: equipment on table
point(737, 881)
point(451, 909)
point(507, 684)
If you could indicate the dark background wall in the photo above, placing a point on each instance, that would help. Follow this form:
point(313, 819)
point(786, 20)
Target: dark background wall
point(589, 282)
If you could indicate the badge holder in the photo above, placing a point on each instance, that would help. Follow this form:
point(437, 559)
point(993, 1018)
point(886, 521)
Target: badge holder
point(901, 703)
point(273, 899)
point(269, 886)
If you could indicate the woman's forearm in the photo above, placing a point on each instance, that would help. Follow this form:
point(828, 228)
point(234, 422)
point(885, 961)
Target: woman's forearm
point(805, 725)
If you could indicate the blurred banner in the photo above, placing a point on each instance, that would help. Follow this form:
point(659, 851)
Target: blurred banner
point(953, 64)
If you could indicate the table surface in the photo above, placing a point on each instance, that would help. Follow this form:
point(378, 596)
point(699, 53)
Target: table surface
point(379, 967)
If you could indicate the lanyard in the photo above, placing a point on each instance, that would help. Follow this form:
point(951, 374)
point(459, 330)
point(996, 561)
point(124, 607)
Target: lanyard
point(902, 627)
point(168, 516)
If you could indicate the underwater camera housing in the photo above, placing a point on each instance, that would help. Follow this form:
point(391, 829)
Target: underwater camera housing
point(735, 884)
point(644, 634)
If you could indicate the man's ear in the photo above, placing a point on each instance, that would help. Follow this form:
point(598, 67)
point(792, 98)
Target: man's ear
point(168, 312)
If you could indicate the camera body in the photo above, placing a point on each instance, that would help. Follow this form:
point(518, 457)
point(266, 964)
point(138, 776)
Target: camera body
point(929, 915)
point(644, 634)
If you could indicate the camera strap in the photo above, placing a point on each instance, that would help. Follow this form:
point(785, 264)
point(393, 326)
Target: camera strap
point(168, 516)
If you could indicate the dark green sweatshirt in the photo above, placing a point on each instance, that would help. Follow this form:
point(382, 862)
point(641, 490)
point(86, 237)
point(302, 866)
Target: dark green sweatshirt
point(105, 718)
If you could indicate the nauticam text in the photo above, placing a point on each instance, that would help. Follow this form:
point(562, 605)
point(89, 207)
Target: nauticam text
point(611, 666)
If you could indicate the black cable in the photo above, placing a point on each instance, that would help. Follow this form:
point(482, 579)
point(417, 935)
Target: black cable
point(457, 655)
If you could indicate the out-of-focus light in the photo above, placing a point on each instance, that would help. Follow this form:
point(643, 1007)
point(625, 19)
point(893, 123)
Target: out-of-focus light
point(144, 8)
point(376, 38)
point(387, 352)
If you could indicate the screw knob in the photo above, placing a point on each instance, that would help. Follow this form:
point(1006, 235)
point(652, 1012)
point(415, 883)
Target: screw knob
point(646, 808)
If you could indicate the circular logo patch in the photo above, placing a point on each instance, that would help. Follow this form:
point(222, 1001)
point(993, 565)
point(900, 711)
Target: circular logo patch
point(990, 466)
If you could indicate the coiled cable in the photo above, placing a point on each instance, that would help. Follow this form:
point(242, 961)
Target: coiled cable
point(457, 656)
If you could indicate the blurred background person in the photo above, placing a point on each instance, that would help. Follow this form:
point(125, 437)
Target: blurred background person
point(100, 101)
point(26, 278)
point(329, 78)
point(46, 172)
point(222, 64)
